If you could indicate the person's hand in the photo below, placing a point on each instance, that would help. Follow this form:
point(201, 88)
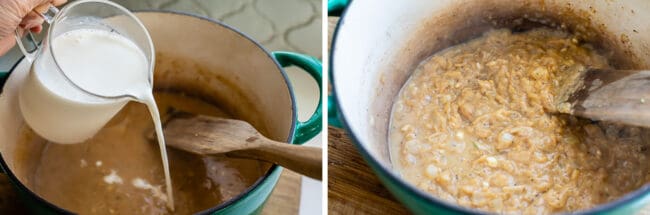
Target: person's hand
point(18, 14)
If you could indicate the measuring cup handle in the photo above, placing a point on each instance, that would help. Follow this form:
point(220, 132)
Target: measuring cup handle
point(47, 12)
point(29, 55)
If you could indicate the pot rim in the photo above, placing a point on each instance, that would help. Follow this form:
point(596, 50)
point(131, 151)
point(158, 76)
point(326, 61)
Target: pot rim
point(412, 190)
point(14, 180)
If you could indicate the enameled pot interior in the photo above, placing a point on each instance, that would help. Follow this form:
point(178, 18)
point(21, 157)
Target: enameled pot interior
point(378, 44)
point(376, 75)
point(228, 67)
point(194, 56)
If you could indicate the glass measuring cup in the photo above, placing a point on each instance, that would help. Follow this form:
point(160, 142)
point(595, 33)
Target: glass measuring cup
point(61, 107)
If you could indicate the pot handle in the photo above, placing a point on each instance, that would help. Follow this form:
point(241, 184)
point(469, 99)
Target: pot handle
point(310, 128)
point(333, 113)
point(336, 7)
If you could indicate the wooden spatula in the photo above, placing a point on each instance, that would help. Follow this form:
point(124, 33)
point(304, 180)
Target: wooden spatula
point(621, 96)
point(206, 135)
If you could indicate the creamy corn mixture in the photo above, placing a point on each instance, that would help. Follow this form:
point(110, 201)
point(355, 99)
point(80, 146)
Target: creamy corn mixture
point(476, 125)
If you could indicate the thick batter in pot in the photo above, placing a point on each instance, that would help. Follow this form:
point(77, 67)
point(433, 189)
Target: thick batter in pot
point(476, 125)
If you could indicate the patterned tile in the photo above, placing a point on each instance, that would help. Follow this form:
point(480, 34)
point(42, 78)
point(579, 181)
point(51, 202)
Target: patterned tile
point(288, 25)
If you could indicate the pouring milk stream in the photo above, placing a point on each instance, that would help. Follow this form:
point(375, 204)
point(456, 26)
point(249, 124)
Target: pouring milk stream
point(83, 75)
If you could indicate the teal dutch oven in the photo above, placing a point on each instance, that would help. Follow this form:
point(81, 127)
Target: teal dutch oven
point(227, 59)
point(378, 43)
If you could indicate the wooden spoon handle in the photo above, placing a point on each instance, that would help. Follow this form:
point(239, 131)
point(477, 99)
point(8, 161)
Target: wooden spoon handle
point(305, 160)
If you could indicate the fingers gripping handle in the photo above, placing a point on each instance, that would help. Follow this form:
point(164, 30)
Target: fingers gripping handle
point(47, 12)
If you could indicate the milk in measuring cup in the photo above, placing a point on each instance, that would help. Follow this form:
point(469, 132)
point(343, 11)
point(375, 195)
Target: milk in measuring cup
point(96, 60)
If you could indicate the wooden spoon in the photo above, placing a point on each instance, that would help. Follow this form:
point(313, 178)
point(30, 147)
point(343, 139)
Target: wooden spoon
point(205, 135)
point(621, 96)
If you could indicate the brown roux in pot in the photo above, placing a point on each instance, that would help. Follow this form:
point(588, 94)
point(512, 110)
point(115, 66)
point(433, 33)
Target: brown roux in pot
point(475, 125)
point(118, 171)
